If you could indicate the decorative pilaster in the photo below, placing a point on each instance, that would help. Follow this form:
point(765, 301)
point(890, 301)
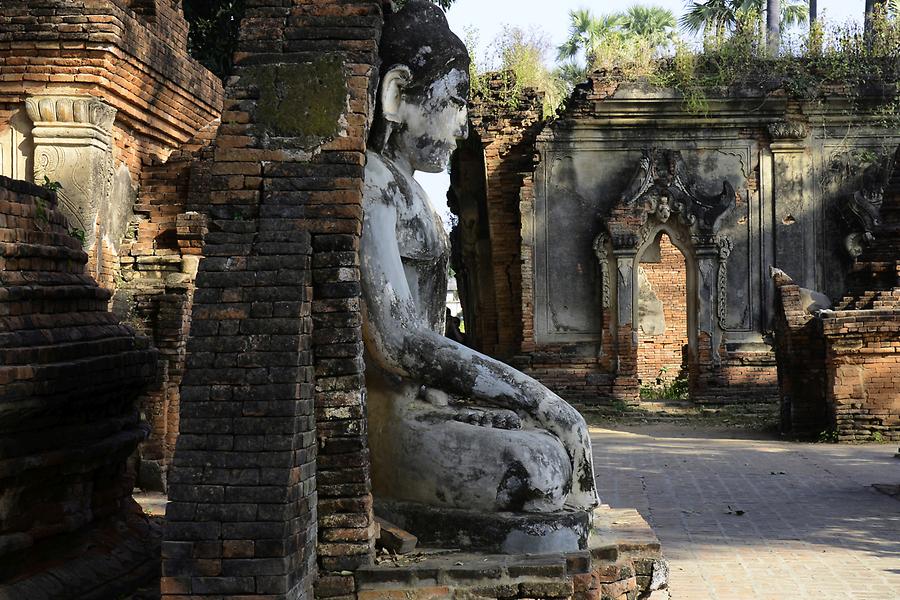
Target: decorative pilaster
point(625, 383)
point(73, 147)
point(708, 332)
point(601, 251)
point(795, 208)
point(625, 290)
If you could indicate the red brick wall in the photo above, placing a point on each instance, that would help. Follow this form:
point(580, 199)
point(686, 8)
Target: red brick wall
point(137, 62)
point(507, 137)
point(70, 375)
point(863, 374)
point(505, 321)
point(668, 278)
point(155, 288)
point(800, 352)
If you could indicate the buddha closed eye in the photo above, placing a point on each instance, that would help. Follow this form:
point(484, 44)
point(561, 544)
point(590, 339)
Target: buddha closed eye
point(432, 121)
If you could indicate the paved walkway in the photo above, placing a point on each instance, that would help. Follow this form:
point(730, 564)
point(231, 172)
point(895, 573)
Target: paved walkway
point(753, 519)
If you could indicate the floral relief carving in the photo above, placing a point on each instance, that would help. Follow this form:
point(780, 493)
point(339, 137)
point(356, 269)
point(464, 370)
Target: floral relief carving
point(601, 250)
point(73, 147)
point(725, 246)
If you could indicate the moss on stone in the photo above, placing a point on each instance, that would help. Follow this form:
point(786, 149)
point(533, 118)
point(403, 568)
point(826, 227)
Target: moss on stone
point(303, 101)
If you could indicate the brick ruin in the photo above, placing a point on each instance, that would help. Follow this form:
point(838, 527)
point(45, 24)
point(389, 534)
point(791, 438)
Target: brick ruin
point(583, 278)
point(70, 376)
point(197, 270)
point(838, 369)
point(103, 99)
point(272, 452)
point(227, 231)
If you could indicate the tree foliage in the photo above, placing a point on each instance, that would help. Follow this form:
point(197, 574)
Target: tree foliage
point(445, 4)
point(716, 19)
point(627, 42)
point(859, 61)
point(213, 33)
point(523, 54)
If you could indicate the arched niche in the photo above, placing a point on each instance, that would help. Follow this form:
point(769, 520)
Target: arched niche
point(680, 239)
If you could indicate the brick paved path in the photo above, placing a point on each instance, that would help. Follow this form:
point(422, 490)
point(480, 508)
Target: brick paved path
point(812, 526)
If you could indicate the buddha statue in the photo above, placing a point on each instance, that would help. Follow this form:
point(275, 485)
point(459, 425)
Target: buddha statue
point(449, 428)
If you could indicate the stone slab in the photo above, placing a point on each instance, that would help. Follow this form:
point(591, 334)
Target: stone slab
point(503, 532)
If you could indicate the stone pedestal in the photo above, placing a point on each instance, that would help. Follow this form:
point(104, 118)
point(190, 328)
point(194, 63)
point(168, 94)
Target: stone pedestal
point(622, 561)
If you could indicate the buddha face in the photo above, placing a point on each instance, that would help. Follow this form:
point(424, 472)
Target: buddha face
point(428, 122)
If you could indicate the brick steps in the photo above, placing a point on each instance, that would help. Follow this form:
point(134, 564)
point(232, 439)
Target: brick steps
point(61, 255)
point(44, 278)
point(46, 238)
point(48, 329)
point(34, 299)
point(874, 279)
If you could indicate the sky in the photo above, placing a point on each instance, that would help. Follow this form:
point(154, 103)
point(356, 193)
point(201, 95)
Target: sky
point(489, 17)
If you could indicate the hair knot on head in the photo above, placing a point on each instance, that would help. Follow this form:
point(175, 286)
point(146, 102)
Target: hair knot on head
point(419, 37)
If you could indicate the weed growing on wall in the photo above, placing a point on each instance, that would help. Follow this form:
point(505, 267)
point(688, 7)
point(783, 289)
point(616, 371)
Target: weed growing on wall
point(828, 436)
point(676, 389)
point(516, 59)
point(79, 234)
point(861, 64)
point(41, 212)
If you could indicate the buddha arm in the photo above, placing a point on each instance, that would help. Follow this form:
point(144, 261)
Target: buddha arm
point(398, 338)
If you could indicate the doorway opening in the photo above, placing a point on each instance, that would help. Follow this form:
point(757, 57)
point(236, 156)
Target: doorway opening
point(662, 353)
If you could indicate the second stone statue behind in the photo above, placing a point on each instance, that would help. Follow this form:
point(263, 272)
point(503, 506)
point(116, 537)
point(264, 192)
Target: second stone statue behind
point(466, 451)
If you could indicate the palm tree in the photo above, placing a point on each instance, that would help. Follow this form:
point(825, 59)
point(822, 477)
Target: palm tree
point(652, 22)
point(716, 18)
point(571, 74)
point(794, 12)
point(773, 25)
point(587, 33)
point(889, 5)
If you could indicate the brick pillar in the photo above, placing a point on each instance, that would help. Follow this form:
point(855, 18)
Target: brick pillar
point(261, 388)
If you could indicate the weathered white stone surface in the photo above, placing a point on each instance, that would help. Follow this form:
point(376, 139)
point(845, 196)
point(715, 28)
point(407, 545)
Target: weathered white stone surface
point(448, 426)
point(72, 138)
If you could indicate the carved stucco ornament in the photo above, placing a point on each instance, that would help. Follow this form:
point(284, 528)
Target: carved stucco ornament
point(725, 246)
point(662, 188)
point(73, 146)
point(601, 251)
point(861, 210)
point(789, 129)
point(662, 192)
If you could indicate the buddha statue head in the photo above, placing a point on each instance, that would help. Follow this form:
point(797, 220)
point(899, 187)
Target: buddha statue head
point(424, 87)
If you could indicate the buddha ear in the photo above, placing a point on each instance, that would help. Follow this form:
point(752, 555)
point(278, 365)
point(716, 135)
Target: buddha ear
point(392, 85)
